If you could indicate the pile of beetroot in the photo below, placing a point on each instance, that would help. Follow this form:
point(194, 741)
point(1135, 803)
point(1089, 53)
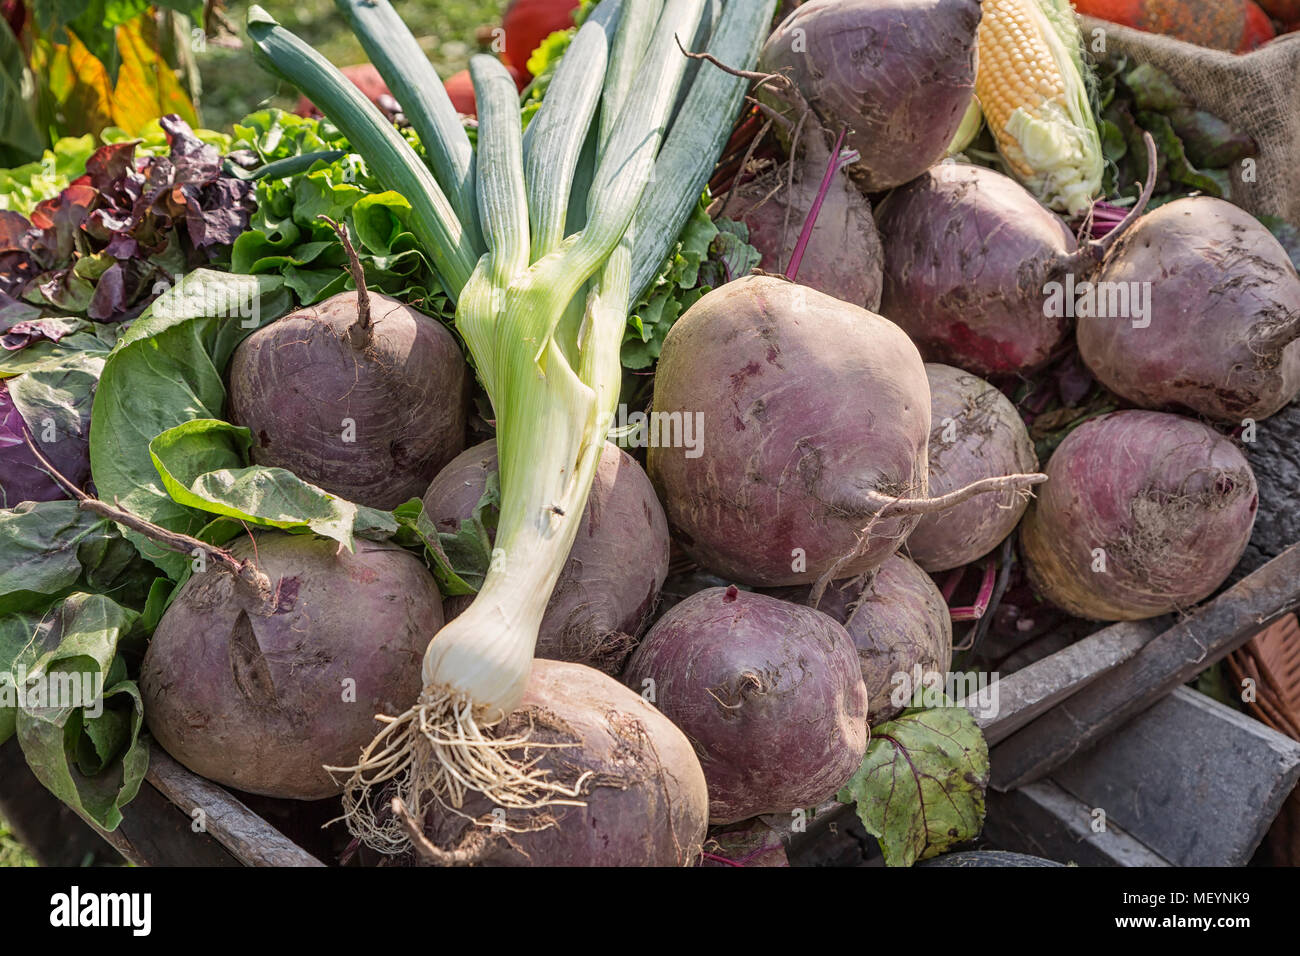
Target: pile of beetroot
point(823, 438)
point(856, 433)
point(859, 428)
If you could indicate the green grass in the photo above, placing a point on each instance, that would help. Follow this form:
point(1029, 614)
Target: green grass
point(13, 853)
point(234, 85)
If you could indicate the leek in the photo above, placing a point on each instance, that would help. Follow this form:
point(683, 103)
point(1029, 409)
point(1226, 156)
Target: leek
point(410, 76)
point(543, 313)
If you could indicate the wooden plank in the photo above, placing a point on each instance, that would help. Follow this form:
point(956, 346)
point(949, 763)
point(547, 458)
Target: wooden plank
point(1198, 782)
point(1035, 689)
point(249, 838)
point(1166, 662)
point(154, 832)
point(1044, 820)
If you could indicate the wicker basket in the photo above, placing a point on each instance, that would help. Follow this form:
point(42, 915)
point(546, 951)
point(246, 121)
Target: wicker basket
point(1272, 661)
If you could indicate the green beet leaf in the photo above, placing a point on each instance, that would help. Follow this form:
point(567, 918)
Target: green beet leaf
point(920, 789)
point(86, 751)
point(201, 464)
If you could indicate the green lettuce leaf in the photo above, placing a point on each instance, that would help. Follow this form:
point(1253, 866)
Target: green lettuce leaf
point(708, 254)
point(23, 187)
point(168, 370)
point(86, 750)
point(286, 238)
point(201, 464)
point(91, 339)
point(50, 548)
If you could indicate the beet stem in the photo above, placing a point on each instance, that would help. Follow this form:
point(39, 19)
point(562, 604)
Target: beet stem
point(246, 573)
point(720, 859)
point(834, 166)
point(953, 580)
point(1097, 249)
point(981, 605)
point(359, 331)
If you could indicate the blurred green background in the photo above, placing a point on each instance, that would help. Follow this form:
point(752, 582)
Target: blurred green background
point(234, 85)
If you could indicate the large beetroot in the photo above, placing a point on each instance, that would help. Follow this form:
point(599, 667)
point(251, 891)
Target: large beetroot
point(899, 73)
point(360, 394)
point(815, 418)
point(262, 696)
point(617, 565)
point(968, 256)
point(643, 797)
point(769, 692)
point(1144, 513)
point(368, 410)
point(1220, 338)
point(975, 433)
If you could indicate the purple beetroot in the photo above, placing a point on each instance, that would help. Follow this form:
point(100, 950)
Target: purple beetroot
point(1143, 513)
point(769, 692)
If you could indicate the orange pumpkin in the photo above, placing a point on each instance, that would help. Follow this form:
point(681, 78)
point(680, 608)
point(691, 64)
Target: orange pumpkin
point(1236, 25)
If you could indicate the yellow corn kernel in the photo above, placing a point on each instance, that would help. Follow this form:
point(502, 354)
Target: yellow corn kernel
point(1029, 83)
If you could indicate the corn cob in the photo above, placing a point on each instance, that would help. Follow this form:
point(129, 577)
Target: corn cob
point(1030, 85)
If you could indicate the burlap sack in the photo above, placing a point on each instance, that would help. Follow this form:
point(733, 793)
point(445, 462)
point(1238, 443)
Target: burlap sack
point(1258, 93)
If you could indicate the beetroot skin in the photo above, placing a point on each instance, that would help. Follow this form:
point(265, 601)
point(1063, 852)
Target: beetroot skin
point(807, 403)
point(968, 253)
point(297, 382)
point(263, 702)
point(1224, 315)
point(646, 803)
point(898, 621)
point(770, 693)
point(975, 432)
point(1143, 513)
point(898, 73)
point(619, 560)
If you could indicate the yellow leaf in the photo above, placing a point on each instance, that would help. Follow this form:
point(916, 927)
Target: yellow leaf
point(146, 86)
point(78, 85)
